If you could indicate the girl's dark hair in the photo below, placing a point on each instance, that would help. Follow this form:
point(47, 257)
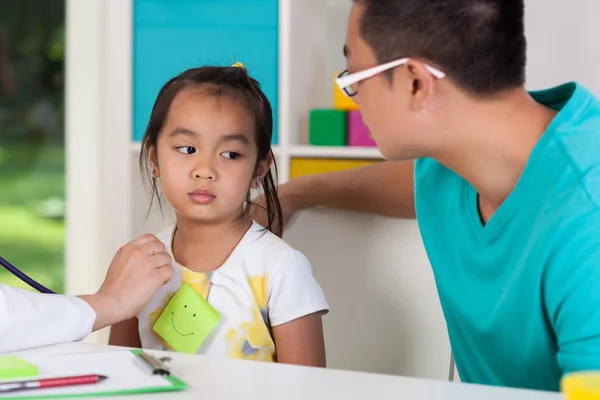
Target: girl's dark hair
point(218, 81)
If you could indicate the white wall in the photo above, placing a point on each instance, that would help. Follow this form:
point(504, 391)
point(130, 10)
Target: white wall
point(563, 43)
point(385, 312)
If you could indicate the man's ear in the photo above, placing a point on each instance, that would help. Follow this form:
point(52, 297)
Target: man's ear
point(261, 170)
point(422, 84)
point(153, 162)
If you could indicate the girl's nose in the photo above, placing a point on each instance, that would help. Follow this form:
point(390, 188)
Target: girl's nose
point(207, 176)
point(204, 170)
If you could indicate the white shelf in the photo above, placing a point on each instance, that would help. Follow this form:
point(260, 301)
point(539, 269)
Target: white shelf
point(135, 148)
point(333, 152)
point(308, 151)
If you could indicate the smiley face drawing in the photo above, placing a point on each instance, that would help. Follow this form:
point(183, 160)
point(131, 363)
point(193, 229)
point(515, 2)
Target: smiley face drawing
point(173, 322)
point(187, 320)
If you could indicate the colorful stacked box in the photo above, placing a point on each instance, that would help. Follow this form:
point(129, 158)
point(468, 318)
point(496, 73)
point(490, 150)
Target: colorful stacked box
point(339, 126)
point(308, 166)
point(358, 133)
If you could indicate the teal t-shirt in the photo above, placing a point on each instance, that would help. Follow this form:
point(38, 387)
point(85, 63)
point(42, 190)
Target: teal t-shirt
point(521, 294)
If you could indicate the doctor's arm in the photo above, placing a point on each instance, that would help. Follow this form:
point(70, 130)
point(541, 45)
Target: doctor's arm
point(29, 319)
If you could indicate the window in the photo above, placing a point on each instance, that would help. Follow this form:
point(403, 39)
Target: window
point(32, 146)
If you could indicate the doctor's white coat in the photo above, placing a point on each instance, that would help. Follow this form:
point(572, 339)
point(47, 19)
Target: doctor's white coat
point(29, 319)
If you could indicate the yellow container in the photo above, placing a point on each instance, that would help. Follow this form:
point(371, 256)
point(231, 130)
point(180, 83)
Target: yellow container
point(341, 101)
point(581, 385)
point(308, 166)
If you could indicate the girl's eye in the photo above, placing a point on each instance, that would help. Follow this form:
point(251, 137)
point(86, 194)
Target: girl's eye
point(186, 149)
point(232, 155)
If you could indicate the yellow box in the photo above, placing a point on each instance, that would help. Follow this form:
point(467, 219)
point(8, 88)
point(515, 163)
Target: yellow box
point(309, 166)
point(583, 385)
point(341, 101)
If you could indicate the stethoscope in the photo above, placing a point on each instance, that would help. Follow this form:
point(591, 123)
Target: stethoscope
point(22, 276)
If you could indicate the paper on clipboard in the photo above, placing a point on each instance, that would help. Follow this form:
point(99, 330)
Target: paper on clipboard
point(125, 375)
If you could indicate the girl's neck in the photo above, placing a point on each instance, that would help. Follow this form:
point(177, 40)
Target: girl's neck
point(204, 247)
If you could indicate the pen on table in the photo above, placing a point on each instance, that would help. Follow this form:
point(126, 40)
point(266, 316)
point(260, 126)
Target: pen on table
point(8, 387)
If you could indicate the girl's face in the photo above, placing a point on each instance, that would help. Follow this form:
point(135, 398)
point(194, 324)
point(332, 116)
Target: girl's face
point(206, 155)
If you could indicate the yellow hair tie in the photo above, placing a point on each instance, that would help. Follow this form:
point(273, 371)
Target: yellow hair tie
point(239, 65)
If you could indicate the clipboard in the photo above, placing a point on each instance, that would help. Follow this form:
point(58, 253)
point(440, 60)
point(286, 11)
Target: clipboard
point(126, 376)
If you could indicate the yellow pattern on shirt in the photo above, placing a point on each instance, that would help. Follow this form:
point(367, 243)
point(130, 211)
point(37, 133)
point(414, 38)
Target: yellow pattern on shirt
point(252, 339)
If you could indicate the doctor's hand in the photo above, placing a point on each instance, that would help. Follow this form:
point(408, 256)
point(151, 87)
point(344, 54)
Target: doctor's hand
point(136, 272)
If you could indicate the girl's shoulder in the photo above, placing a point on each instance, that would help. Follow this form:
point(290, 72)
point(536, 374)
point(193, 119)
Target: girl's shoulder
point(267, 249)
point(265, 239)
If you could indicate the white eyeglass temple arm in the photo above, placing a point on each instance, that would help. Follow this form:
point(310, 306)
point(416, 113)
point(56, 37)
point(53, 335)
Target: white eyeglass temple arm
point(348, 80)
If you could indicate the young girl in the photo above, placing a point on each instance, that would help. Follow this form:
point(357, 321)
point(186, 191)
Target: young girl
point(238, 290)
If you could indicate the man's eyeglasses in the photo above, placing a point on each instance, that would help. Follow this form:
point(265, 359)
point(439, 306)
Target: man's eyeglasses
point(347, 82)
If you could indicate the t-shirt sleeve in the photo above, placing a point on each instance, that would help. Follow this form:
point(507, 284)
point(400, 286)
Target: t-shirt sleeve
point(572, 291)
point(293, 292)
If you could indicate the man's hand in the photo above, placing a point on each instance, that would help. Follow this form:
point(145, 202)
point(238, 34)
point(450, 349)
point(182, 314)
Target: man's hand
point(136, 272)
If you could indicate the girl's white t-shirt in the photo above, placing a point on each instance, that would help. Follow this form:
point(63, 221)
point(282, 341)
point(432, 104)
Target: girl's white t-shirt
point(264, 283)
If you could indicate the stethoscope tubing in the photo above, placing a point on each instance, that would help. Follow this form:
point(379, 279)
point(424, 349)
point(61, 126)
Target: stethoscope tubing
point(22, 276)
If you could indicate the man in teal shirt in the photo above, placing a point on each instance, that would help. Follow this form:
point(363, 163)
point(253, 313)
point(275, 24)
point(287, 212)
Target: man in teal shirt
point(521, 293)
point(505, 186)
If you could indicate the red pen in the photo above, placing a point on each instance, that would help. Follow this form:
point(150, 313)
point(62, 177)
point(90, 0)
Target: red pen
point(50, 383)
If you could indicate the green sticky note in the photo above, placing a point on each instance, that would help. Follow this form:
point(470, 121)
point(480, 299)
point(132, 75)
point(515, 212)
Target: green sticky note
point(14, 367)
point(187, 320)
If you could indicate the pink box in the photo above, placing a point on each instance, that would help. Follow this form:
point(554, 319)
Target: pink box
point(358, 133)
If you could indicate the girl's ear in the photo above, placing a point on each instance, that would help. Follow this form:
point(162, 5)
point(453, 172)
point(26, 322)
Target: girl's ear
point(153, 163)
point(261, 170)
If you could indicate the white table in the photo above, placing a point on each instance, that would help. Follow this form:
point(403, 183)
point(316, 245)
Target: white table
point(218, 378)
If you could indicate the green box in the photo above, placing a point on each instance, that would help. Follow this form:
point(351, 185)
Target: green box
point(327, 127)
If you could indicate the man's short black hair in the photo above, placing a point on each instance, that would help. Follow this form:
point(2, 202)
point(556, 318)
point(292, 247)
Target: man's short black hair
point(480, 44)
